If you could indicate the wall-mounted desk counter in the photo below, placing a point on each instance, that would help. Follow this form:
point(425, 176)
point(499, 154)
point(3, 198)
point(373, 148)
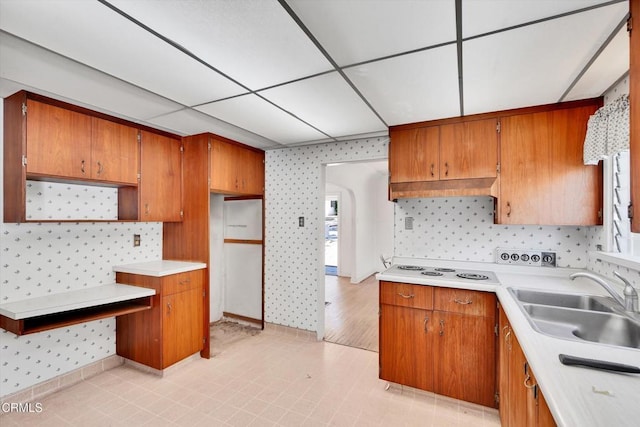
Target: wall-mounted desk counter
point(68, 308)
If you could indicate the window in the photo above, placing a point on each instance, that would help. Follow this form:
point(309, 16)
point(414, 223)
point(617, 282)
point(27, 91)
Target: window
point(620, 239)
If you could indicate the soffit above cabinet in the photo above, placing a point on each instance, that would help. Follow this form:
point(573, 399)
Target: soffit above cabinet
point(274, 73)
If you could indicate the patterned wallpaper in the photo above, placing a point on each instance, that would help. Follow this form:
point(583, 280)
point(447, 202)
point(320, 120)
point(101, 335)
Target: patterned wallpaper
point(293, 189)
point(462, 229)
point(42, 258)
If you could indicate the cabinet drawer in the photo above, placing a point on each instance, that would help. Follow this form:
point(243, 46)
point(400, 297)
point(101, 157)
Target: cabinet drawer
point(181, 282)
point(406, 295)
point(475, 303)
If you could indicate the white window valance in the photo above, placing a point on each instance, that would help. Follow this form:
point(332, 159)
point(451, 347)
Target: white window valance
point(607, 131)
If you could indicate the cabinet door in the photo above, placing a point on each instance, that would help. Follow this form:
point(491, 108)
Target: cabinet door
point(469, 150)
point(576, 189)
point(58, 141)
point(406, 356)
point(252, 172)
point(634, 112)
point(182, 323)
point(518, 393)
point(465, 357)
point(526, 187)
point(114, 152)
point(414, 154)
point(504, 336)
point(160, 178)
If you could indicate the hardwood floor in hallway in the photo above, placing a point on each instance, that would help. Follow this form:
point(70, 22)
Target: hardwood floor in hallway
point(351, 315)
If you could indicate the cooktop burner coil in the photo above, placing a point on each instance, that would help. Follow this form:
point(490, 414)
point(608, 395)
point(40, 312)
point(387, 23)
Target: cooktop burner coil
point(445, 270)
point(431, 273)
point(410, 267)
point(472, 276)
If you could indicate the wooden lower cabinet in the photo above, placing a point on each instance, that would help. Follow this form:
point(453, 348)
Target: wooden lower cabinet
point(439, 339)
point(521, 401)
point(172, 330)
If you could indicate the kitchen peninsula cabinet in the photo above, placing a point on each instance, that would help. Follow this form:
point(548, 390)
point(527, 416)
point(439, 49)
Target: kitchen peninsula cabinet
point(634, 113)
point(160, 178)
point(439, 339)
point(521, 401)
point(543, 178)
point(236, 169)
point(172, 330)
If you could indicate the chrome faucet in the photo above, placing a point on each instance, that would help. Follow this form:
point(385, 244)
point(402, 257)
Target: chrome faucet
point(630, 301)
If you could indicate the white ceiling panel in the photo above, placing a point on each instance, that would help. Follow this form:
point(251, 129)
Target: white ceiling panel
point(99, 37)
point(411, 88)
point(191, 122)
point(254, 41)
point(258, 116)
point(613, 61)
point(354, 31)
point(45, 72)
point(479, 17)
point(533, 65)
point(328, 103)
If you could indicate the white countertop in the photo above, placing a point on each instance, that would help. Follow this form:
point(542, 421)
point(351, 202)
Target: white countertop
point(159, 268)
point(73, 300)
point(568, 390)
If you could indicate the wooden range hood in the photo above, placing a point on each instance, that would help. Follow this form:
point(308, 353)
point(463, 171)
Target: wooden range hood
point(444, 188)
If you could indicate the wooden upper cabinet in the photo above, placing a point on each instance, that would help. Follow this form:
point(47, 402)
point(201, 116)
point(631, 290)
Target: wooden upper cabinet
point(58, 141)
point(115, 155)
point(414, 154)
point(543, 179)
point(160, 178)
point(469, 149)
point(236, 169)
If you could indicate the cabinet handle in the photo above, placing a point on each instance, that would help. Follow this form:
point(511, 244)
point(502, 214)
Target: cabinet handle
point(406, 296)
point(526, 382)
point(441, 327)
point(465, 302)
point(182, 282)
point(100, 168)
point(426, 320)
point(446, 169)
point(432, 174)
point(146, 208)
point(508, 209)
point(82, 166)
point(507, 339)
point(169, 307)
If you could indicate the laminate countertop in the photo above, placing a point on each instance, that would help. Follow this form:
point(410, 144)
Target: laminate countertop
point(576, 396)
point(159, 268)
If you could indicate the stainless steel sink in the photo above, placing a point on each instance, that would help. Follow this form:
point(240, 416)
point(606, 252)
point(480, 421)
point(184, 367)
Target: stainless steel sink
point(579, 317)
point(583, 302)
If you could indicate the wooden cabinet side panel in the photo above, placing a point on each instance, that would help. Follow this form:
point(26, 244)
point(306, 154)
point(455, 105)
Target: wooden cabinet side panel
point(576, 188)
point(15, 128)
point(469, 150)
point(634, 99)
point(518, 393)
point(504, 333)
point(405, 356)
point(525, 181)
point(58, 141)
point(161, 178)
point(414, 155)
point(115, 155)
point(139, 335)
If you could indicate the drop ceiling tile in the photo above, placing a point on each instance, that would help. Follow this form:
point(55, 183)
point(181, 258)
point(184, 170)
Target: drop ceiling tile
point(253, 41)
point(360, 30)
point(479, 17)
point(328, 103)
point(256, 115)
point(411, 88)
point(535, 64)
point(93, 34)
point(610, 65)
point(191, 122)
point(31, 67)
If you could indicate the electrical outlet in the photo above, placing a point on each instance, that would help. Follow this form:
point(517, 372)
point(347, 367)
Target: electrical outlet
point(136, 240)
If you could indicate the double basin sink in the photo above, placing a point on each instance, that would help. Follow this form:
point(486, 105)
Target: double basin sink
point(577, 317)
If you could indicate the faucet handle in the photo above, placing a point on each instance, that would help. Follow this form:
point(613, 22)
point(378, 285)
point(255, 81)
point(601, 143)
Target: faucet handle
point(630, 295)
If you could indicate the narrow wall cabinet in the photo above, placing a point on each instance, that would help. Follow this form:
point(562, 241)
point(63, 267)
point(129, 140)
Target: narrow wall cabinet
point(439, 339)
point(172, 330)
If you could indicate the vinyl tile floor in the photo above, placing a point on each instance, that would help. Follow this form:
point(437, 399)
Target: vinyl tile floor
point(279, 377)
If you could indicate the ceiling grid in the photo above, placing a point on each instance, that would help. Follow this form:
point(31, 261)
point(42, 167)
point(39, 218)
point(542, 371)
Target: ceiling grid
point(273, 73)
